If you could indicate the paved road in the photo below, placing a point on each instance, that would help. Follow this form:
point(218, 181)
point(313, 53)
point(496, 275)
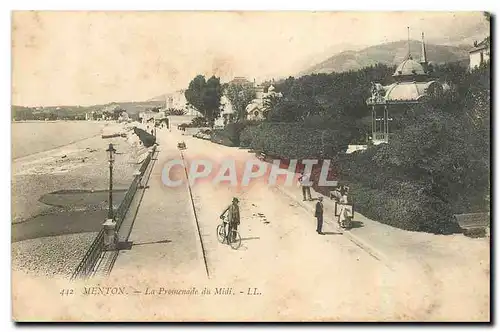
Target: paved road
point(164, 235)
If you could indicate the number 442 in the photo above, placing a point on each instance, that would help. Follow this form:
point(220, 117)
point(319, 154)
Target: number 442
point(64, 292)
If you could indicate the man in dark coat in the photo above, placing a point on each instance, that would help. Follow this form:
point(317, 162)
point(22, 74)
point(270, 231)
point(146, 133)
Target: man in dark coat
point(233, 211)
point(319, 215)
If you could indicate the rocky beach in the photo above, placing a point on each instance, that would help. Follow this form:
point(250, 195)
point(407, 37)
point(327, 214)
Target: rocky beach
point(60, 179)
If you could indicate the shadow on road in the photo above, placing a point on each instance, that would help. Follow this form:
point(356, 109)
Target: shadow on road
point(154, 242)
point(356, 224)
point(250, 238)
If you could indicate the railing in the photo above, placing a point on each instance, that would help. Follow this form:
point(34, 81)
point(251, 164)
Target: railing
point(125, 204)
point(91, 257)
point(86, 266)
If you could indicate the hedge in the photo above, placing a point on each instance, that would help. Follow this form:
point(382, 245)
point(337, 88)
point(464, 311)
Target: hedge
point(408, 208)
point(146, 138)
point(220, 136)
point(294, 140)
point(231, 134)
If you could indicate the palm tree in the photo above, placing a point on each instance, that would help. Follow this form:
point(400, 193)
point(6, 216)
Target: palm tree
point(270, 103)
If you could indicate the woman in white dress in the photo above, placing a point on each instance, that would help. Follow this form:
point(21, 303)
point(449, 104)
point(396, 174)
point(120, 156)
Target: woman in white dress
point(345, 212)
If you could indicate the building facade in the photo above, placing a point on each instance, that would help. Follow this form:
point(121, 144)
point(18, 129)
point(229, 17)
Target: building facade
point(479, 54)
point(256, 109)
point(176, 100)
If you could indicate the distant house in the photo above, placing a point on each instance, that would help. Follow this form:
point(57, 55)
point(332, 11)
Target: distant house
point(90, 116)
point(152, 117)
point(239, 80)
point(227, 112)
point(192, 111)
point(479, 54)
point(176, 100)
point(256, 109)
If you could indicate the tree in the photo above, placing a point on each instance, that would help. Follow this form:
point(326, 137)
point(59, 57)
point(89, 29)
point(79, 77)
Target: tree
point(117, 112)
point(240, 96)
point(205, 96)
point(195, 92)
point(213, 93)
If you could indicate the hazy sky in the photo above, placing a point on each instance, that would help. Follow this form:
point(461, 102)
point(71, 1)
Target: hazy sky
point(70, 58)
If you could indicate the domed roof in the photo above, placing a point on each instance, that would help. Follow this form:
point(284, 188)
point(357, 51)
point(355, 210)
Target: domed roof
point(409, 67)
point(411, 91)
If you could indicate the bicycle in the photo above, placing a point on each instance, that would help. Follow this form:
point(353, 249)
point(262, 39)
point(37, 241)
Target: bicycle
point(223, 236)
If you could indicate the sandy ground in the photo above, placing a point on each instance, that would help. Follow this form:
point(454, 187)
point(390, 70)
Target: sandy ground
point(57, 255)
point(77, 166)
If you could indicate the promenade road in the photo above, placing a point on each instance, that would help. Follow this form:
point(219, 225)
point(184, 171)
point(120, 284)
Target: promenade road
point(164, 238)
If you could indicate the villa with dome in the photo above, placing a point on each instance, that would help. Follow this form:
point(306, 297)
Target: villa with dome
point(412, 85)
point(255, 110)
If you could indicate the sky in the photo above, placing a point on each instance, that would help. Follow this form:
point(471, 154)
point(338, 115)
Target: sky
point(86, 58)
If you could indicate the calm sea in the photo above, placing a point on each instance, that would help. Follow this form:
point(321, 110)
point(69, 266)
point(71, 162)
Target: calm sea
point(34, 137)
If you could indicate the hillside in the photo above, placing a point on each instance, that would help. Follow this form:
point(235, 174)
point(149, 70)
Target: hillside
point(389, 54)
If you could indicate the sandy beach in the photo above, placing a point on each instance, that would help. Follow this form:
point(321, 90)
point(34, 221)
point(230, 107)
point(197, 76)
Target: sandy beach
point(60, 189)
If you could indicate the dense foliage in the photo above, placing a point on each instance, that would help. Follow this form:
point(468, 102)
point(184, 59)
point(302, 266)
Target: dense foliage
point(146, 138)
point(231, 135)
point(294, 140)
point(205, 96)
point(240, 95)
point(175, 111)
point(436, 165)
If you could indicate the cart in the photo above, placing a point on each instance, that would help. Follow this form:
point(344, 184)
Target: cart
point(181, 145)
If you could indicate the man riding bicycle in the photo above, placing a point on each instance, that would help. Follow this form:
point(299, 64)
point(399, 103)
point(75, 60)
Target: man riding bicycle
point(233, 211)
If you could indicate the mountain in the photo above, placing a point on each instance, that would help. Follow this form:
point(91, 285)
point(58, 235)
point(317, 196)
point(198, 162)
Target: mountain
point(389, 54)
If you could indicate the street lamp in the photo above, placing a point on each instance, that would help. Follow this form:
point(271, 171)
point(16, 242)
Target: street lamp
point(110, 236)
point(111, 158)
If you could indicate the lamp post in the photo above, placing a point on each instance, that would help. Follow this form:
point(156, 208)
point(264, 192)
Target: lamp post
point(110, 239)
point(111, 158)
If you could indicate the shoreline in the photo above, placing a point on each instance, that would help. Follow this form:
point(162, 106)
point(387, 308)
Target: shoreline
point(29, 138)
point(59, 197)
point(80, 166)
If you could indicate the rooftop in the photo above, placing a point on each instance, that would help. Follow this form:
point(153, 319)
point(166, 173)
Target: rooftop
point(480, 46)
point(409, 67)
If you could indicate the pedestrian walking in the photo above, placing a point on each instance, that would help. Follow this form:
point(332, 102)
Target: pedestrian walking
point(346, 213)
point(306, 186)
point(319, 215)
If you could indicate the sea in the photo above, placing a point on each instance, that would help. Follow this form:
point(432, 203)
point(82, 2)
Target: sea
point(37, 136)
